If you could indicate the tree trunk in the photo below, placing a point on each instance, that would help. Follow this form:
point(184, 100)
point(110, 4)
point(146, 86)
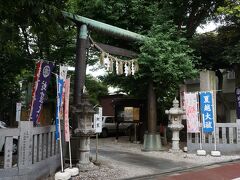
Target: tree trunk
point(237, 75)
point(220, 80)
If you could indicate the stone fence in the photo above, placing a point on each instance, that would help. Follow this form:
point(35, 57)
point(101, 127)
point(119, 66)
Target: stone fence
point(38, 152)
point(227, 139)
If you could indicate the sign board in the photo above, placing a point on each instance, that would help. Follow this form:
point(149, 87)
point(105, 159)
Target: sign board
point(136, 114)
point(98, 120)
point(18, 111)
point(206, 107)
point(97, 123)
point(128, 113)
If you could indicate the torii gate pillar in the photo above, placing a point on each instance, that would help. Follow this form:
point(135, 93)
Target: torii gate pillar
point(83, 111)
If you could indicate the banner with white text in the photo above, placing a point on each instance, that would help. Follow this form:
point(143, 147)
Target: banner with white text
point(41, 81)
point(206, 107)
point(59, 102)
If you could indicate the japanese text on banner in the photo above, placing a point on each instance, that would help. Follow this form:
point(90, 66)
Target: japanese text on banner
point(206, 107)
point(41, 80)
point(191, 107)
point(59, 102)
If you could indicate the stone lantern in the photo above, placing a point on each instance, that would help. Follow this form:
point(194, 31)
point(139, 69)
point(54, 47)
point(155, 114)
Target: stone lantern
point(175, 116)
point(84, 113)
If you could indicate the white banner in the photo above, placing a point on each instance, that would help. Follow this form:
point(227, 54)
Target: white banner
point(66, 110)
point(63, 72)
point(98, 120)
point(62, 75)
point(18, 111)
point(191, 107)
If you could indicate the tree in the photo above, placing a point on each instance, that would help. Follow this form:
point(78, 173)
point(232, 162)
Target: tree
point(29, 30)
point(165, 58)
point(95, 89)
point(230, 11)
point(36, 29)
point(220, 49)
point(138, 15)
point(231, 54)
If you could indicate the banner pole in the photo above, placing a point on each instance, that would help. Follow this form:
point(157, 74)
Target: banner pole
point(96, 147)
point(71, 170)
point(215, 152)
point(215, 143)
point(60, 143)
point(200, 152)
point(63, 174)
point(199, 121)
point(59, 123)
point(70, 153)
point(215, 120)
point(201, 138)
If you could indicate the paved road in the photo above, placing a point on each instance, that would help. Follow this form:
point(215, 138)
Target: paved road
point(165, 169)
point(223, 171)
point(226, 171)
point(156, 164)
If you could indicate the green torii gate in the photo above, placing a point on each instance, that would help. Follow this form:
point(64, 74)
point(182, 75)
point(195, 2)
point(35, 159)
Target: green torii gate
point(82, 108)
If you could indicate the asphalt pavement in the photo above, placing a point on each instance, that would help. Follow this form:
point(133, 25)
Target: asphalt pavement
point(225, 171)
point(154, 165)
point(133, 159)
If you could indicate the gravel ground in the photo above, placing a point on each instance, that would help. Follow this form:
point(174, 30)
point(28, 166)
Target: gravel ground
point(111, 169)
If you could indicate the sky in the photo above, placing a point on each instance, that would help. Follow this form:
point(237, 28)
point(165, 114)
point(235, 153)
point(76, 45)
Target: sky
point(209, 26)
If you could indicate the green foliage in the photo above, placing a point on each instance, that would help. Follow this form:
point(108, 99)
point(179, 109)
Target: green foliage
point(231, 34)
point(230, 11)
point(95, 89)
point(166, 58)
point(232, 54)
point(189, 14)
point(30, 30)
point(218, 50)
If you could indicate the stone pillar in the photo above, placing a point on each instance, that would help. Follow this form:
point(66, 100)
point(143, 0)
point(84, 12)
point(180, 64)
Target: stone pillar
point(208, 81)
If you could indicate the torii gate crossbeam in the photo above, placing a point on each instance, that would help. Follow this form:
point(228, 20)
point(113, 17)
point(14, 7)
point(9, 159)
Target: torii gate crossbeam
point(105, 28)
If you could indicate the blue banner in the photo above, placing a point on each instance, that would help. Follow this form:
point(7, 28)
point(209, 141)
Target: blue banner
point(59, 102)
point(238, 102)
point(42, 79)
point(207, 114)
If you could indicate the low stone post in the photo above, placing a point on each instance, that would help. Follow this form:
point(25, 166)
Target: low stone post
point(175, 116)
